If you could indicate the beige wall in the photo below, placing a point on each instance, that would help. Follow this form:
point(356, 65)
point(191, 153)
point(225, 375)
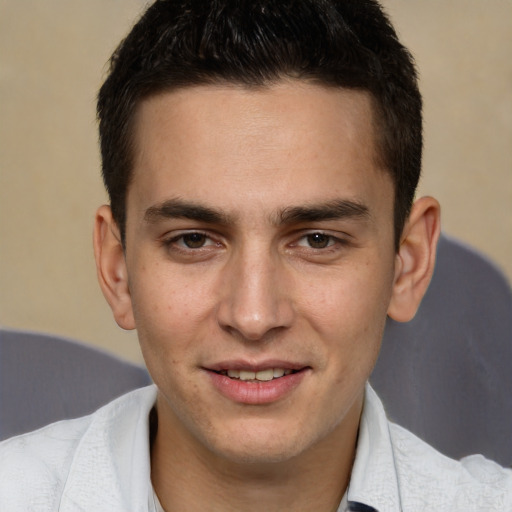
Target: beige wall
point(52, 56)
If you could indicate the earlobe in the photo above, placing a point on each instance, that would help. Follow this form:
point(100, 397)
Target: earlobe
point(415, 259)
point(111, 267)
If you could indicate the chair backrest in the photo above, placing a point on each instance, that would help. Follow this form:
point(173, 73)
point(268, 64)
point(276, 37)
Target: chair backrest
point(46, 378)
point(447, 374)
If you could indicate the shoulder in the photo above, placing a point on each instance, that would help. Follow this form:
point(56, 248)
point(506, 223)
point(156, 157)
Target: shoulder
point(34, 467)
point(472, 484)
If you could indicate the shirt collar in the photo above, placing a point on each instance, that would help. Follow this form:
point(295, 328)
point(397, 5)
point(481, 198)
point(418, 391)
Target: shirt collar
point(373, 482)
point(111, 466)
point(117, 453)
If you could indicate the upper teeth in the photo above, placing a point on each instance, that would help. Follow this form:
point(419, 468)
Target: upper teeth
point(264, 375)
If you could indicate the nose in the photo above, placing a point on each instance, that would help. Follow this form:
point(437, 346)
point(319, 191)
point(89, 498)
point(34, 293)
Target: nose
point(255, 299)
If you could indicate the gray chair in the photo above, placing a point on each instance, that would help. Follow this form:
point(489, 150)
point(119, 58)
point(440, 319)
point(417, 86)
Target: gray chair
point(447, 374)
point(47, 378)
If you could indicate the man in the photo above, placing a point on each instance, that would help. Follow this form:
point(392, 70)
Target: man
point(261, 159)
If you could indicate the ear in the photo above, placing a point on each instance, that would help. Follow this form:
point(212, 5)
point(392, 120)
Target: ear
point(415, 260)
point(111, 267)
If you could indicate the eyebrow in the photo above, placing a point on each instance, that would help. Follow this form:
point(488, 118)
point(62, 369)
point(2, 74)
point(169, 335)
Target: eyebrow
point(179, 209)
point(332, 210)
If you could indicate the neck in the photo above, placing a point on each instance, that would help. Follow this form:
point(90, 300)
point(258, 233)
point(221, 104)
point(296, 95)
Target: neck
point(187, 477)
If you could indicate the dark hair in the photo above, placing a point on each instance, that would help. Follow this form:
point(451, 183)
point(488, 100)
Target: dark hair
point(338, 43)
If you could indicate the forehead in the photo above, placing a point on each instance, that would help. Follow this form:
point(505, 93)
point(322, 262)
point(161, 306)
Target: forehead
point(289, 143)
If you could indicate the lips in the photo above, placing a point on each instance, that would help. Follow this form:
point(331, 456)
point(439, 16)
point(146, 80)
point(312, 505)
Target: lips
point(256, 384)
point(261, 375)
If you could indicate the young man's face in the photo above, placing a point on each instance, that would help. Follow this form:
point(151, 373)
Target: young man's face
point(259, 245)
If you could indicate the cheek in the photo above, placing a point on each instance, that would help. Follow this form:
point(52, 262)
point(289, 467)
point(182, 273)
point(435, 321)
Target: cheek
point(168, 311)
point(348, 300)
point(171, 295)
point(348, 312)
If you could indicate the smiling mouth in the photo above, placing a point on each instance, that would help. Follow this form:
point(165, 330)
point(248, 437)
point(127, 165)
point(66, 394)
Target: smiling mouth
point(257, 376)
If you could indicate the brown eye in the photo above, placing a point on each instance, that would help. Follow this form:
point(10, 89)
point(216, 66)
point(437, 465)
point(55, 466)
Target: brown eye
point(318, 240)
point(194, 240)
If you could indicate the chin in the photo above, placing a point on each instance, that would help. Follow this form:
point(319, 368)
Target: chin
point(255, 447)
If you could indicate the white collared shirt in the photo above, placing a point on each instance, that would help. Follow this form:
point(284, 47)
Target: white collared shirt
point(101, 463)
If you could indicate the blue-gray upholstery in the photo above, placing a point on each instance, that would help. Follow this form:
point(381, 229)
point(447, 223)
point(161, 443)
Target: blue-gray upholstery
point(447, 374)
point(47, 378)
